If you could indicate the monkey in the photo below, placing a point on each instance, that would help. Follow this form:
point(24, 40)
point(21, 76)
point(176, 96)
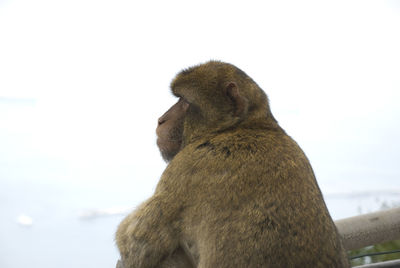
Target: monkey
point(237, 190)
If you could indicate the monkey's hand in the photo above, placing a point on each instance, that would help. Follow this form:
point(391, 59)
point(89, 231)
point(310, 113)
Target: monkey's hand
point(145, 236)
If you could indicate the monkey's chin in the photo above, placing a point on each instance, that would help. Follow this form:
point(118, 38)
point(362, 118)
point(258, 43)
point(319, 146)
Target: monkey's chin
point(168, 149)
point(165, 153)
point(166, 156)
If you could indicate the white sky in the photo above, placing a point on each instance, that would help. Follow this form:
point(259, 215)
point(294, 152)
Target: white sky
point(100, 72)
point(82, 83)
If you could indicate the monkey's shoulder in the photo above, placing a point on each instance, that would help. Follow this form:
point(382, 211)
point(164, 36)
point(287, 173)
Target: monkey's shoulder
point(261, 151)
point(245, 142)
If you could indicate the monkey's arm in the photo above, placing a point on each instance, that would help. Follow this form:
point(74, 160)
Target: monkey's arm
point(147, 235)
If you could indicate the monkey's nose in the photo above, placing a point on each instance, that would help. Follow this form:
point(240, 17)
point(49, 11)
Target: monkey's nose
point(161, 120)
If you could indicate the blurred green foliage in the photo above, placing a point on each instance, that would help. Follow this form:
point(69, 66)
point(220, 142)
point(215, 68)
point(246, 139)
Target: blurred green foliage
point(388, 246)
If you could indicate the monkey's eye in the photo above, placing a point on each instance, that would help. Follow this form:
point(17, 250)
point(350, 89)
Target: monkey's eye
point(184, 103)
point(182, 99)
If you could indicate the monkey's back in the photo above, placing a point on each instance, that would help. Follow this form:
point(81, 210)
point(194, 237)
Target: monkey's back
point(254, 201)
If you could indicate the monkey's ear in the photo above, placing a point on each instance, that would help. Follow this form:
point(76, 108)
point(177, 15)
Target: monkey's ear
point(240, 102)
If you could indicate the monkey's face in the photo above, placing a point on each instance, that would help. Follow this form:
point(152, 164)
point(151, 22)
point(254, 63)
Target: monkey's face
point(213, 97)
point(209, 102)
point(170, 130)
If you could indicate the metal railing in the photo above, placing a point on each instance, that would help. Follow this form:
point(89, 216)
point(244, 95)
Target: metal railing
point(370, 229)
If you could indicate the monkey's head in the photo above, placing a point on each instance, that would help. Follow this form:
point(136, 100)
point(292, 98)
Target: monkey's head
point(213, 97)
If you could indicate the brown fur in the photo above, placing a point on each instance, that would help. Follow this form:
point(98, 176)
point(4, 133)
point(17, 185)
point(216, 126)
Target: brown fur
point(239, 192)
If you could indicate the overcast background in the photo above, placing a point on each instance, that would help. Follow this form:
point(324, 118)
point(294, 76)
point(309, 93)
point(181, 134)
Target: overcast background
point(83, 82)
